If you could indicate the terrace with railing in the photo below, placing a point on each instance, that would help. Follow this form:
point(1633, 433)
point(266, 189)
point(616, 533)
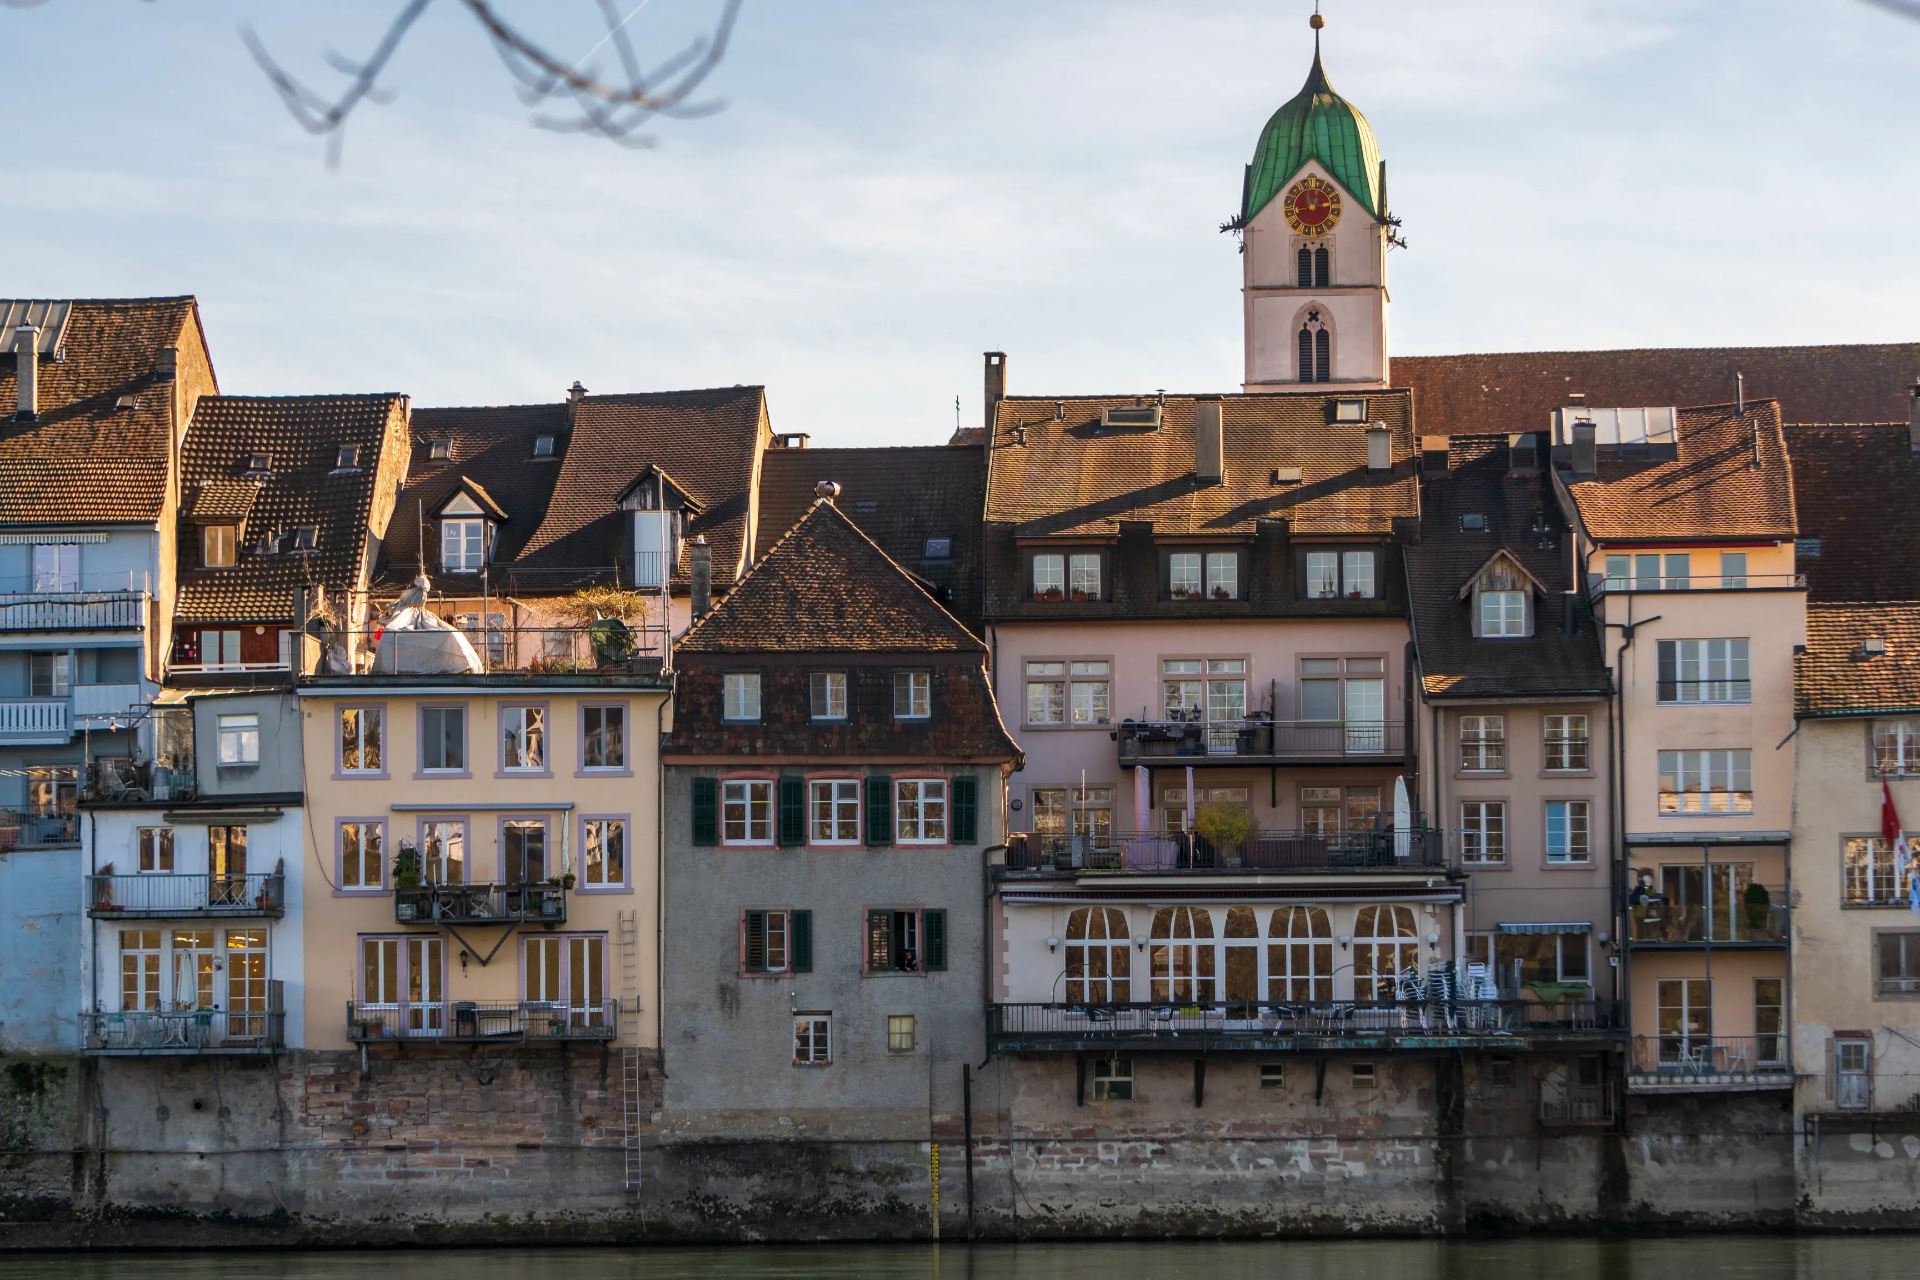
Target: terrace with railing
point(182, 1032)
point(1602, 584)
point(1684, 1062)
point(171, 895)
point(1438, 1022)
point(90, 602)
point(477, 904)
point(1756, 921)
point(607, 648)
point(1185, 853)
point(22, 829)
point(1261, 741)
point(476, 1022)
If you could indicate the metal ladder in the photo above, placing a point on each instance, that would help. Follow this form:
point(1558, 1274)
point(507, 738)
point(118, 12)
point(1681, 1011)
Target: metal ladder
point(629, 936)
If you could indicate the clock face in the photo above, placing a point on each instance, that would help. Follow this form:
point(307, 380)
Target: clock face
point(1312, 206)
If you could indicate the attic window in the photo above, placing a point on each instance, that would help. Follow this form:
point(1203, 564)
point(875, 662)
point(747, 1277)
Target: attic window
point(259, 464)
point(127, 402)
point(938, 549)
point(1147, 416)
point(1350, 411)
point(1807, 548)
point(1473, 521)
point(1873, 648)
point(348, 459)
point(866, 506)
point(305, 537)
point(269, 545)
point(543, 446)
point(439, 450)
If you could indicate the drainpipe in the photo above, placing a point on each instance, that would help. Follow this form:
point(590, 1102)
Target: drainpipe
point(660, 888)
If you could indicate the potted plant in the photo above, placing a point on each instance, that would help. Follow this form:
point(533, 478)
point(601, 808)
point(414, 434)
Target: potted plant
point(407, 875)
point(567, 881)
point(1221, 593)
point(1224, 826)
point(1758, 904)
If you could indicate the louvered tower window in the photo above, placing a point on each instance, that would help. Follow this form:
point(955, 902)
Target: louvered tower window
point(1315, 350)
point(1306, 267)
point(1322, 273)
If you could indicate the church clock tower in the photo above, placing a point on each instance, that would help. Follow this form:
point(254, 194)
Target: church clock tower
point(1314, 231)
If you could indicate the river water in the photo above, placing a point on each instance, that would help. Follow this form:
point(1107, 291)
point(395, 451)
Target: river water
point(1690, 1258)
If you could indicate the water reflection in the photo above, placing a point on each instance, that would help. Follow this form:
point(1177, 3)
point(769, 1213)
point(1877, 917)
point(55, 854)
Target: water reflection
point(1693, 1258)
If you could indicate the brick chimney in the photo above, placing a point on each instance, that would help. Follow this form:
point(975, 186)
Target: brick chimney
point(1209, 442)
point(700, 574)
point(26, 376)
point(996, 384)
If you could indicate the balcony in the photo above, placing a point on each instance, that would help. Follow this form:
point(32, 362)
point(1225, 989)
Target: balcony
point(1687, 1063)
point(182, 1032)
point(1599, 584)
point(20, 830)
point(112, 783)
point(1660, 923)
point(475, 1022)
point(103, 602)
point(480, 904)
point(165, 895)
point(36, 721)
point(1263, 852)
point(464, 648)
point(1260, 742)
point(1300, 1026)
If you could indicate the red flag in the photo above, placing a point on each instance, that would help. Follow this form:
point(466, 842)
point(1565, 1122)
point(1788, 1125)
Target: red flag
point(1890, 829)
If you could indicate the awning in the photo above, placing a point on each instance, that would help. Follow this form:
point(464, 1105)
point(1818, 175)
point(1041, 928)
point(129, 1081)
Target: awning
point(1553, 926)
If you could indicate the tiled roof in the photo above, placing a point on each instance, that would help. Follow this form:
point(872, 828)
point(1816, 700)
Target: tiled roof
point(1515, 391)
point(1835, 676)
point(1712, 491)
point(900, 497)
point(710, 443)
point(302, 435)
point(825, 585)
point(492, 447)
point(87, 459)
point(1856, 487)
point(1523, 518)
point(221, 499)
point(1071, 476)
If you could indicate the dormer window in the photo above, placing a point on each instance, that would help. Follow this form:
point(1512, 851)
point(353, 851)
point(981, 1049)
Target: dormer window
point(1066, 576)
point(1503, 613)
point(1203, 575)
point(216, 546)
point(463, 545)
point(259, 464)
point(439, 450)
point(305, 538)
point(348, 458)
point(1502, 594)
point(938, 549)
point(660, 510)
point(543, 446)
point(1340, 575)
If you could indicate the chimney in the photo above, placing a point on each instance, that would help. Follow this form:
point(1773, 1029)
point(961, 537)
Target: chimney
point(576, 393)
point(167, 364)
point(1209, 442)
point(1569, 613)
point(1379, 447)
point(1584, 453)
point(1913, 417)
point(26, 376)
point(996, 385)
point(700, 574)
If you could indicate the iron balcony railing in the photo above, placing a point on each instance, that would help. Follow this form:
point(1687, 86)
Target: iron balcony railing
point(1688, 1055)
point(1268, 1025)
point(1578, 1105)
point(27, 604)
point(1260, 740)
point(1599, 584)
point(608, 647)
point(183, 1031)
point(473, 1021)
point(442, 904)
point(1759, 922)
point(1262, 851)
point(21, 830)
point(171, 894)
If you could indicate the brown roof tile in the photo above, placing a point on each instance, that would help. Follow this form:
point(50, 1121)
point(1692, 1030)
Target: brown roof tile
point(708, 441)
point(1836, 677)
point(899, 497)
point(1711, 491)
point(1073, 477)
point(302, 435)
point(826, 585)
point(87, 459)
point(1854, 487)
point(221, 499)
point(1523, 518)
point(1515, 391)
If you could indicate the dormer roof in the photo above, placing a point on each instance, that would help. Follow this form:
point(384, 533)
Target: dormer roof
point(1502, 571)
point(470, 498)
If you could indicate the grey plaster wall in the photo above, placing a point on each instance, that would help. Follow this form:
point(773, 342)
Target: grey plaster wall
point(40, 927)
point(280, 769)
point(728, 1037)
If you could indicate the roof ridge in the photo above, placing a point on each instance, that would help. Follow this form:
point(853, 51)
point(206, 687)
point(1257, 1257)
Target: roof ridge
point(1581, 351)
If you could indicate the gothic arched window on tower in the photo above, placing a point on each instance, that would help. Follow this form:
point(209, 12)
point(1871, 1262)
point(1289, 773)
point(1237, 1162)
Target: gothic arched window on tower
point(1316, 350)
point(1322, 276)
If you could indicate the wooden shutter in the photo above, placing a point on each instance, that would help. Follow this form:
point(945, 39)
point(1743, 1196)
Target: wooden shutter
point(933, 940)
point(879, 941)
point(756, 942)
point(879, 810)
point(793, 811)
point(966, 809)
point(706, 811)
point(800, 941)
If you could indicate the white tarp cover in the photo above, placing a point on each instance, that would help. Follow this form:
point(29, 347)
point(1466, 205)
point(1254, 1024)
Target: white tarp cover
point(416, 643)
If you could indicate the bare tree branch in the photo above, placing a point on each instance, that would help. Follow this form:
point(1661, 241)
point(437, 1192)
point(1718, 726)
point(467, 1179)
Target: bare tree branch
point(609, 107)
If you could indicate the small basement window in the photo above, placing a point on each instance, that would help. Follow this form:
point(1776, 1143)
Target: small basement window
point(543, 446)
point(1273, 1075)
point(1364, 1076)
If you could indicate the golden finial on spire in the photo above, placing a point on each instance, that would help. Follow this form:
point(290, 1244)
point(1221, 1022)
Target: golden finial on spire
point(1316, 21)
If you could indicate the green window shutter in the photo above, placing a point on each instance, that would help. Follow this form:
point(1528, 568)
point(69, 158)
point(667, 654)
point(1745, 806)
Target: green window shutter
point(793, 811)
point(933, 939)
point(966, 809)
point(706, 811)
point(800, 941)
point(879, 941)
point(879, 810)
point(756, 942)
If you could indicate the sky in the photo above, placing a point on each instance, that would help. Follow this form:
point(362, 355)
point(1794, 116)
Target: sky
point(894, 187)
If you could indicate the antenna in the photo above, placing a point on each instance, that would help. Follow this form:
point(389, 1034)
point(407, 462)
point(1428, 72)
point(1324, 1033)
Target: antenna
point(956, 412)
point(420, 534)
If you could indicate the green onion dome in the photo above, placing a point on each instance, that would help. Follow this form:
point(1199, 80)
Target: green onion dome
point(1318, 124)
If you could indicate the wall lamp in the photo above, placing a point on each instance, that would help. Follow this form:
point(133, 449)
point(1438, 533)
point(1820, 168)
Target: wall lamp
point(1053, 943)
point(1345, 938)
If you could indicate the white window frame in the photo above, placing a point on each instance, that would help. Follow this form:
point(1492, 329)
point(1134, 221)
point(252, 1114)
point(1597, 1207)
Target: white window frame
point(812, 1039)
point(930, 808)
point(153, 850)
point(56, 566)
point(1718, 668)
point(367, 728)
point(1708, 769)
point(432, 710)
point(841, 799)
point(1503, 615)
point(528, 723)
point(739, 799)
point(827, 695)
point(1186, 575)
point(1090, 694)
point(1083, 576)
point(218, 546)
point(594, 836)
point(918, 687)
point(1896, 741)
point(612, 743)
point(1560, 747)
point(1113, 1080)
point(1483, 744)
point(463, 544)
point(240, 738)
point(740, 696)
point(1046, 691)
point(1049, 574)
point(1223, 575)
point(1483, 833)
point(1569, 832)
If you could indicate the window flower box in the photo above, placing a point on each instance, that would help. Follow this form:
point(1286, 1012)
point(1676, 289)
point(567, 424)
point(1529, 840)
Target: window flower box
point(1221, 593)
